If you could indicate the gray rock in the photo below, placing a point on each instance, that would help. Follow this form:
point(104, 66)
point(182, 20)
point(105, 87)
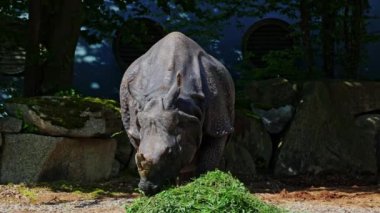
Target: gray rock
point(63, 119)
point(370, 123)
point(32, 158)
point(323, 136)
point(356, 97)
point(115, 168)
point(132, 167)
point(249, 149)
point(239, 161)
point(10, 124)
point(275, 120)
point(272, 93)
point(124, 149)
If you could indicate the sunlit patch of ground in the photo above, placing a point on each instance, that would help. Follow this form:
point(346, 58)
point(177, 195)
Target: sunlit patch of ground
point(111, 196)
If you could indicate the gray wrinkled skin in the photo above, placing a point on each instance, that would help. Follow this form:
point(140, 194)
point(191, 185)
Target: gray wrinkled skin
point(177, 106)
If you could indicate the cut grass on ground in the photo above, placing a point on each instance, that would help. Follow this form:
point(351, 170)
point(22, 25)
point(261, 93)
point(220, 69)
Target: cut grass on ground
point(214, 192)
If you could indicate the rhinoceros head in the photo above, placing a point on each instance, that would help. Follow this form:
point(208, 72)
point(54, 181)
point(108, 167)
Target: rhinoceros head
point(168, 139)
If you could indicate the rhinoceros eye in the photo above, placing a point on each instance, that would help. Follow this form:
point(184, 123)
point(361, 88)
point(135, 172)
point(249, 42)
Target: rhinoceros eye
point(170, 121)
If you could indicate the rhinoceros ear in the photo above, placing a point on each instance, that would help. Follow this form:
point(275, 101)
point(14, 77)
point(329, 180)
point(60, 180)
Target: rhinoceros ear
point(173, 93)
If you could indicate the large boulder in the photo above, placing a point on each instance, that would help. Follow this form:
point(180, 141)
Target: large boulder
point(271, 93)
point(323, 137)
point(370, 123)
point(32, 158)
point(250, 148)
point(67, 116)
point(356, 97)
point(275, 120)
point(239, 161)
point(10, 124)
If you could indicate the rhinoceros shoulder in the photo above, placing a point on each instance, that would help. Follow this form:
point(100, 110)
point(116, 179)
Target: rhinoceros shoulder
point(219, 116)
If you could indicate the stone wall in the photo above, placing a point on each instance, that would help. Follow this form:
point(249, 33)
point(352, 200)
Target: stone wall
point(311, 128)
point(38, 143)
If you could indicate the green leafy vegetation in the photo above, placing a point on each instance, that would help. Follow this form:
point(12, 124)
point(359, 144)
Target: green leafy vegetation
point(333, 32)
point(281, 63)
point(214, 192)
point(28, 127)
point(27, 192)
point(68, 93)
point(90, 191)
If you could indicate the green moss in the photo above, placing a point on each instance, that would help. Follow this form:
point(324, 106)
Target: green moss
point(27, 127)
point(68, 111)
point(69, 92)
point(28, 193)
point(248, 113)
point(214, 192)
point(91, 191)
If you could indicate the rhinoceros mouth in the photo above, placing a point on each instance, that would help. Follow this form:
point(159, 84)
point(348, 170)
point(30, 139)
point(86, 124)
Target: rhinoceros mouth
point(148, 187)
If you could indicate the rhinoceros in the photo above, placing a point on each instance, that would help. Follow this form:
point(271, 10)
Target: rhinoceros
point(177, 107)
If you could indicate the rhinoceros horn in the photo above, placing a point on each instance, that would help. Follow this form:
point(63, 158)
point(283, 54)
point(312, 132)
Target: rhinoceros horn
point(173, 93)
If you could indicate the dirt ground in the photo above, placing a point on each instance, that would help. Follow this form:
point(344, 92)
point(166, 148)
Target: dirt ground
point(326, 194)
point(112, 196)
point(365, 198)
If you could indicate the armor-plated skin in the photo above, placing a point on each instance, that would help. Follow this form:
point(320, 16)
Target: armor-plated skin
point(177, 106)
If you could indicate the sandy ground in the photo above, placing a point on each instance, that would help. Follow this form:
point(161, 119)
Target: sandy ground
point(327, 199)
point(113, 196)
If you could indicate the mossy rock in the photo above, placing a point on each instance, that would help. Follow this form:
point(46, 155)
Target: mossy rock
point(67, 116)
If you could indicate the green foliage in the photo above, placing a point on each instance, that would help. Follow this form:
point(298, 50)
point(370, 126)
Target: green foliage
point(29, 128)
point(3, 113)
point(103, 102)
point(9, 88)
point(114, 188)
point(68, 93)
point(282, 63)
point(12, 21)
point(286, 63)
point(28, 193)
point(214, 192)
point(89, 191)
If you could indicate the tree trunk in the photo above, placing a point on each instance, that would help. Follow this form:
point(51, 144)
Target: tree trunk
point(356, 32)
point(62, 39)
point(33, 73)
point(57, 27)
point(305, 26)
point(328, 38)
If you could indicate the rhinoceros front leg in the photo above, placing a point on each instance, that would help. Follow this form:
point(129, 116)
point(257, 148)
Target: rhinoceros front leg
point(210, 153)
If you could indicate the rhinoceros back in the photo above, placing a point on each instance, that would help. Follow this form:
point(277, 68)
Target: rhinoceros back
point(153, 74)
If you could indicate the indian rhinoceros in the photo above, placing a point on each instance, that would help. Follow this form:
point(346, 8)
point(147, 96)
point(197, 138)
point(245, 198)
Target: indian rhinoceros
point(177, 106)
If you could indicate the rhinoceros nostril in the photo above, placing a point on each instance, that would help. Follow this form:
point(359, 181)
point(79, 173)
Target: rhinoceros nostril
point(143, 165)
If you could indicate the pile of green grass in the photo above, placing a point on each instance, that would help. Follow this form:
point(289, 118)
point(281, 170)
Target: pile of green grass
point(214, 192)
